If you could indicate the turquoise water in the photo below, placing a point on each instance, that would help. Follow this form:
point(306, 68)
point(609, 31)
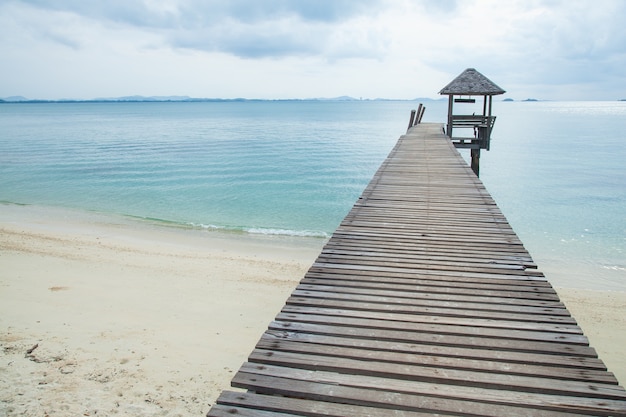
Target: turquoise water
point(266, 167)
point(296, 167)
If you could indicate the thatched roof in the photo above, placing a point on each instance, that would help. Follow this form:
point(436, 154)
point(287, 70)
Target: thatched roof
point(471, 82)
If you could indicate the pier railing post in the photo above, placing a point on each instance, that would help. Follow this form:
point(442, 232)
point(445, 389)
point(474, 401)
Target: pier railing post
point(412, 119)
point(420, 113)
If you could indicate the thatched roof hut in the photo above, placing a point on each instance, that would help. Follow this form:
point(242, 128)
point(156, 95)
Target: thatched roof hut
point(471, 83)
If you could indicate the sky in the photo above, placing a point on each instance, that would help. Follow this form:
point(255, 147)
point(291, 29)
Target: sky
point(272, 49)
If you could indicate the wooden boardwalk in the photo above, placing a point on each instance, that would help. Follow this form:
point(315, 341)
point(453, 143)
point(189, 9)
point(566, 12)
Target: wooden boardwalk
point(423, 302)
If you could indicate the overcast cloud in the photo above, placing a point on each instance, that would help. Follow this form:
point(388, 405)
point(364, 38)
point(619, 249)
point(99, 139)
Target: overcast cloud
point(551, 49)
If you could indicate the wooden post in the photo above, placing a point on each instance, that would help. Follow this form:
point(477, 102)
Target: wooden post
point(421, 114)
point(484, 105)
point(411, 119)
point(450, 104)
point(475, 161)
point(417, 115)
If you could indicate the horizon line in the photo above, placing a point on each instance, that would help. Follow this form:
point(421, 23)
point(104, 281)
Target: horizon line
point(139, 98)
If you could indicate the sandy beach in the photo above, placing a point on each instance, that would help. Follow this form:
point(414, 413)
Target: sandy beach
point(103, 316)
point(131, 319)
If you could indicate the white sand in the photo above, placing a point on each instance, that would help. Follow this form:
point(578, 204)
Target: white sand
point(602, 316)
point(131, 319)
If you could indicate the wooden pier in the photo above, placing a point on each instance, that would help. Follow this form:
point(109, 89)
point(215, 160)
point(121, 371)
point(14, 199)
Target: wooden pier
point(423, 302)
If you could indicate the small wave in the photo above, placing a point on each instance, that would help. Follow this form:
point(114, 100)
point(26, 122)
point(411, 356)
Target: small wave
point(285, 232)
point(614, 268)
point(261, 230)
point(13, 203)
point(232, 229)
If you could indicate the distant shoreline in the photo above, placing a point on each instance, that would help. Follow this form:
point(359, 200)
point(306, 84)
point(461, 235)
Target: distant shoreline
point(140, 99)
point(185, 99)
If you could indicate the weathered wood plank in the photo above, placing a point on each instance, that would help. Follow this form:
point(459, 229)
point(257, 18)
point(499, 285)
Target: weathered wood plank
point(239, 403)
point(451, 340)
point(435, 361)
point(524, 320)
point(434, 254)
point(468, 297)
point(405, 276)
point(424, 269)
point(455, 308)
point(446, 285)
point(507, 293)
point(501, 323)
point(416, 395)
point(505, 336)
point(439, 375)
point(413, 348)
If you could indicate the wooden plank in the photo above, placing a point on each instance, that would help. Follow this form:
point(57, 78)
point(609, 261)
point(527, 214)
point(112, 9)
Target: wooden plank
point(524, 288)
point(523, 320)
point(446, 263)
point(416, 395)
point(454, 307)
point(477, 298)
point(508, 293)
point(436, 339)
point(435, 361)
point(424, 269)
point(501, 262)
point(508, 336)
point(440, 375)
point(426, 278)
point(429, 239)
point(230, 408)
point(462, 352)
point(239, 403)
point(502, 323)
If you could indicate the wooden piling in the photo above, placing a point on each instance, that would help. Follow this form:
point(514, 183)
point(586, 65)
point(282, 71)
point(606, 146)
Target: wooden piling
point(420, 111)
point(411, 119)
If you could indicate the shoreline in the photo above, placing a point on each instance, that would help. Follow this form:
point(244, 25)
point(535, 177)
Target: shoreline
point(134, 318)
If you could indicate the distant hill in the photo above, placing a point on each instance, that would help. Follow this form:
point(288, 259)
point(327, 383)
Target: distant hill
point(340, 98)
point(143, 98)
point(14, 98)
point(430, 99)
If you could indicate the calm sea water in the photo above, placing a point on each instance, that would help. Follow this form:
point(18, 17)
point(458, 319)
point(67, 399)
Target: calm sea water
point(556, 169)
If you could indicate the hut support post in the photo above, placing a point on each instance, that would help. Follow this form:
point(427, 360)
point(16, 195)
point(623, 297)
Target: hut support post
point(450, 103)
point(475, 153)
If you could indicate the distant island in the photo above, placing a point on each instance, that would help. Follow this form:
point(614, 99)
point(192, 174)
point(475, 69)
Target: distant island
point(161, 99)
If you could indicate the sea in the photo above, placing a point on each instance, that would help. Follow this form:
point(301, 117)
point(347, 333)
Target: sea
point(557, 170)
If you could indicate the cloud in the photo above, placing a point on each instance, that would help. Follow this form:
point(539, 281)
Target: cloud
point(532, 42)
point(388, 48)
point(244, 28)
point(328, 11)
